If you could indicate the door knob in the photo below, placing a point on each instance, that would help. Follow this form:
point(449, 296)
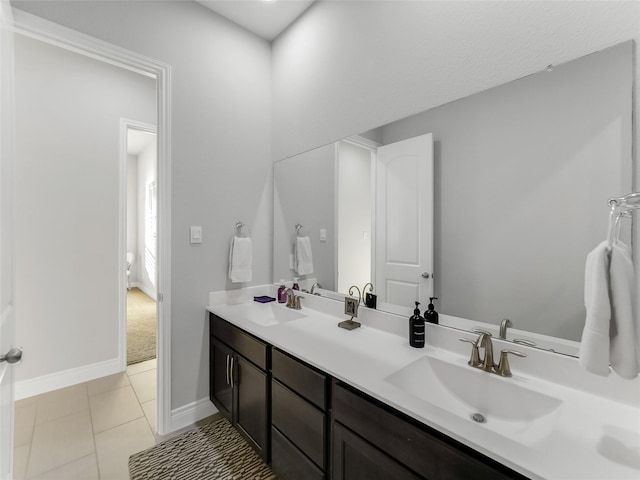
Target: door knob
point(12, 356)
point(425, 275)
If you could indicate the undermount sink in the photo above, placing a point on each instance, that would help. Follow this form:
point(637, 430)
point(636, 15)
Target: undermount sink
point(267, 314)
point(503, 406)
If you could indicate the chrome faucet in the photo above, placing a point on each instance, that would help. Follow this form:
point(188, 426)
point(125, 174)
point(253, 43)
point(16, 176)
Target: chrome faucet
point(293, 300)
point(486, 364)
point(485, 342)
point(503, 327)
point(313, 287)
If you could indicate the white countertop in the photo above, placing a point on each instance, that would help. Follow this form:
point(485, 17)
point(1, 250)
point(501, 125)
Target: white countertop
point(590, 436)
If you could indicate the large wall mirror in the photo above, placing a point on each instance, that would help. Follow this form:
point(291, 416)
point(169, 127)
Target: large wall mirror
point(521, 178)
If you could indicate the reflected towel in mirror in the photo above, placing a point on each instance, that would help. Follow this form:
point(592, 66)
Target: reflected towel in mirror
point(303, 256)
point(240, 259)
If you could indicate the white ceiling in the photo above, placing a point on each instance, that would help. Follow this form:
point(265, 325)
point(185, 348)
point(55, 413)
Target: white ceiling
point(264, 18)
point(138, 140)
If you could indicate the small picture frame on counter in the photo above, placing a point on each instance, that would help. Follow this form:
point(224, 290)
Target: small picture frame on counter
point(351, 306)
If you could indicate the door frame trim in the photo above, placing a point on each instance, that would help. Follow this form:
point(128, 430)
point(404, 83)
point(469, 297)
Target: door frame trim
point(55, 34)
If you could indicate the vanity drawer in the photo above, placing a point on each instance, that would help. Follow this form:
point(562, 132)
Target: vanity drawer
point(299, 421)
point(301, 378)
point(426, 453)
point(289, 463)
point(246, 345)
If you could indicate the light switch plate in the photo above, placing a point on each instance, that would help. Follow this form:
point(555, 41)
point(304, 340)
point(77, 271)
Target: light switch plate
point(196, 234)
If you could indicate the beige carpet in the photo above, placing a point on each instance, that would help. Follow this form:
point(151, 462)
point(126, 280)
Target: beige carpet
point(215, 451)
point(141, 327)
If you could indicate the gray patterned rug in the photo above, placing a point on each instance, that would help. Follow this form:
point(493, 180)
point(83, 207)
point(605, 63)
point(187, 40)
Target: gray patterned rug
point(215, 451)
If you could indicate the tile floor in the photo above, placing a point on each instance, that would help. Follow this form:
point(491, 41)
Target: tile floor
point(87, 431)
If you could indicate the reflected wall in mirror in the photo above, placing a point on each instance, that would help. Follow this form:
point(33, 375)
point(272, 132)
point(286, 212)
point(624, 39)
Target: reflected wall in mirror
point(522, 175)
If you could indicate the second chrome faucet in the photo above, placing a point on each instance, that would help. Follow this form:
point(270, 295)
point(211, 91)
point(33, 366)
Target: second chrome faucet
point(486, 363)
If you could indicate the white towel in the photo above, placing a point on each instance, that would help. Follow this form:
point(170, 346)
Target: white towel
point(303, 256)
point(240, 259)
point(623, 330)
point(594, 347)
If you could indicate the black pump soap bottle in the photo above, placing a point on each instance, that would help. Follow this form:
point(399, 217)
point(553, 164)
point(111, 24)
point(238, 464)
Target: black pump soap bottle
point(431, 315)
point(416, 329)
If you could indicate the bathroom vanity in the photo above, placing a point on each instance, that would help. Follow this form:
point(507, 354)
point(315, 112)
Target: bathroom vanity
point(368, 438)
point(323, 402)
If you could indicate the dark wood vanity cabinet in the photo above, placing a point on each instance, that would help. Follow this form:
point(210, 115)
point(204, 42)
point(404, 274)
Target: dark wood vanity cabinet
point(238, 383)
point(373, 441)
point(309, 426)
point(299, 419)
point(356, 459)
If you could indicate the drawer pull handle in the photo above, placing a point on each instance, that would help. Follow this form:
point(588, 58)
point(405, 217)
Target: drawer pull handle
point(232, 372)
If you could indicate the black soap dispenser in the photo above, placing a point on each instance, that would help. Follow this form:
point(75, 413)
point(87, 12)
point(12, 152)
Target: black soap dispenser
point(416, 329)
point(431, 315)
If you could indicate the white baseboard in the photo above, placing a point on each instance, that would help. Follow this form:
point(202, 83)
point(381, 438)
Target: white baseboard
point(189, 414)
point(46, 383)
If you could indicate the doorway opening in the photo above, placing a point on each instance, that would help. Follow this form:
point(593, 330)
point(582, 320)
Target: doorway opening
point(355, 170)
point(142, 239)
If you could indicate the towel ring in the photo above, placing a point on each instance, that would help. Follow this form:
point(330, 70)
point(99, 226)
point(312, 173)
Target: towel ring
point(629, 202)
point(241, 230)
point(301, 231)
point(624, 214)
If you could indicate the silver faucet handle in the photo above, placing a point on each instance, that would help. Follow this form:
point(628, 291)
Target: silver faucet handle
point(503, 368)
point(481, 332)
point(523, 341)
point(297, 303)
point(474, 361)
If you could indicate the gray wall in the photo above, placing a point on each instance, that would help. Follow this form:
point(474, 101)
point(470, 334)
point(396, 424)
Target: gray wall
point(523, 173)
point(67, 124)
point(221, 167)
point(347, 67)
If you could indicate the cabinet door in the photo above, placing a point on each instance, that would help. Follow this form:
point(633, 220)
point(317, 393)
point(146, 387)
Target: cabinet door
point(250, 384)
point(221, 392)
point(356, 459)
point(289, 463)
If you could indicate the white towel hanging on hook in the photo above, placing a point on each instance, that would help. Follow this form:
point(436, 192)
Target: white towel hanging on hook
point(611, 334)
point(241, 255)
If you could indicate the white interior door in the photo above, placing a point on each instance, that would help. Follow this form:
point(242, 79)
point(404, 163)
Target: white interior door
point(7, 317)
point(404, 221)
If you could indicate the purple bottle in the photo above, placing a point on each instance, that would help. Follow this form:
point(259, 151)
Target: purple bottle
point(282, 292)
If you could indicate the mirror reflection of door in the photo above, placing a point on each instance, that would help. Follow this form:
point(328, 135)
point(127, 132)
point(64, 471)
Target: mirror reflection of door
point(387, 190)
point(404, 221)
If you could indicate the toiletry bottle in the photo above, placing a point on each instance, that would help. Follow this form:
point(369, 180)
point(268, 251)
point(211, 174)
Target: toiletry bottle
point(295, 283)
point(282, 292)
point(416, 329)
point(431, 315)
